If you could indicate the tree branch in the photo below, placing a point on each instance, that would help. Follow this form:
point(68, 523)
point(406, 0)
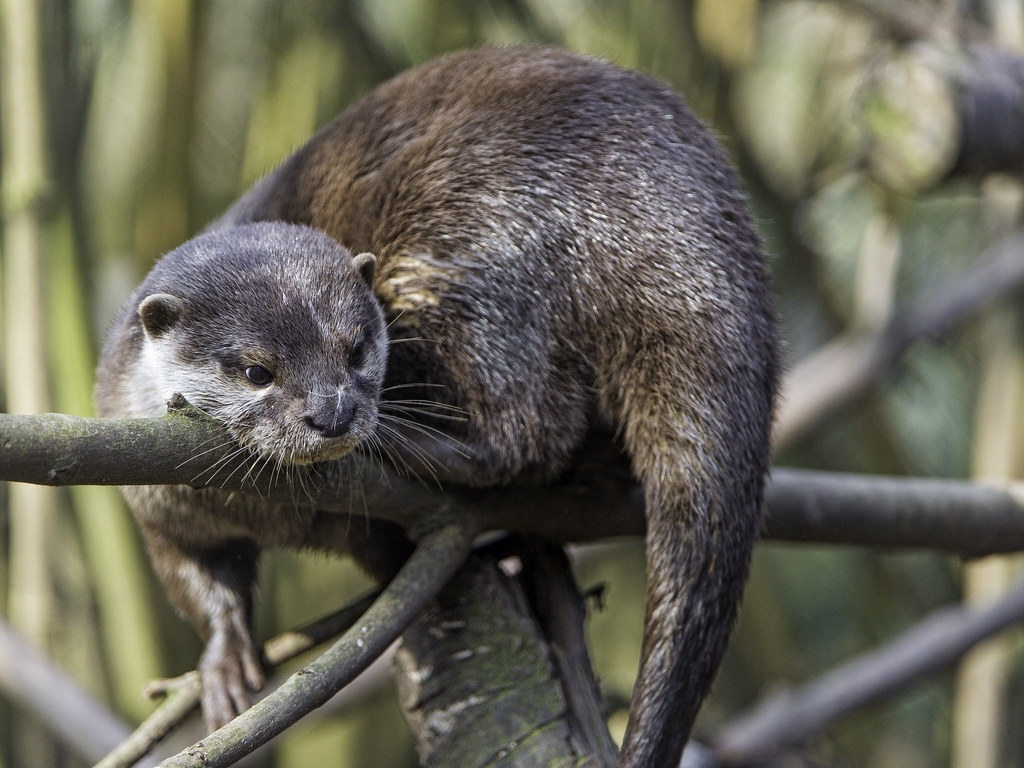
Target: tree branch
point(596, 500)
point(478, 683)
point(787, 719)
point(549, 582)
point(844, 369)
point(438, 555)
point(182, 694)
point(971, 519)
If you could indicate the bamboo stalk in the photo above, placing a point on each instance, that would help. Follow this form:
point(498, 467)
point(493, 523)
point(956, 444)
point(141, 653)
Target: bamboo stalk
point(980, 699)
point(979, 705)
point(26, 184)
point(117, 569)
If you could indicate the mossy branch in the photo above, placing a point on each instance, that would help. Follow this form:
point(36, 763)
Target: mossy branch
point(596, 500)
point(482, 683)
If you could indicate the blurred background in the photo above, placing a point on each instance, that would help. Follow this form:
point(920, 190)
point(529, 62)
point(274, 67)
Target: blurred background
point(133, 123)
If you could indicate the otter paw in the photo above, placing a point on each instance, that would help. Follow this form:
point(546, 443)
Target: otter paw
point(230, 671)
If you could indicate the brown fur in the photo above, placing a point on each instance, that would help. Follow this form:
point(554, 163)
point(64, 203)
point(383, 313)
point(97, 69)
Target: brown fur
point(559, 242)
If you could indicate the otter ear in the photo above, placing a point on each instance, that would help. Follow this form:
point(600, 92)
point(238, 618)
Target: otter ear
point(159, 313)
point(366, 263)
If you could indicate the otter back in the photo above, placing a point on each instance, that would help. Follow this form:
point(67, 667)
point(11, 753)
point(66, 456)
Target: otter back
point(560, 243)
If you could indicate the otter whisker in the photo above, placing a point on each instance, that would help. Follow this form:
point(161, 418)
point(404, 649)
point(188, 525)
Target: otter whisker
point(428, 431)
point(215, 443)
point(398, 316)
point(430, 464)
point(404, 339)
point(431, 403)
point(307, 480)
point(300, 482)
point(427, 408)
point(257, 468)
point(214, 470)
point(355, 488)
point(412, 385)
point(245, 466)
point(386, 455)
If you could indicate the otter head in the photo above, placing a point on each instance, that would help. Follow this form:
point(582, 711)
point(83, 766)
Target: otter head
point(272, 329)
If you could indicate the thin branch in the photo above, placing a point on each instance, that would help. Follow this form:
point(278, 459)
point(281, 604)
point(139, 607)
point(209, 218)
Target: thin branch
point(182, 694)
point(437, 557)
point(971, 519)
point(846, 368)
point(787, 719)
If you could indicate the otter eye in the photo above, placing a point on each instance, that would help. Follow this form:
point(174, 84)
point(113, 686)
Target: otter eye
point(356, 354)
point(258, 375)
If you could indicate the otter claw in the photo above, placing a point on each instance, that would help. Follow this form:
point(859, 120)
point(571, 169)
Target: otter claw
point(230, 672)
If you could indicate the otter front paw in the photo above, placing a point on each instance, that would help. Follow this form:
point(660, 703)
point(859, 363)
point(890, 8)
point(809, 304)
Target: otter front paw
point(230, 671)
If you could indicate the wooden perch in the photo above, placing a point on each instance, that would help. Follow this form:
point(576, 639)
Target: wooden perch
point(478, 683)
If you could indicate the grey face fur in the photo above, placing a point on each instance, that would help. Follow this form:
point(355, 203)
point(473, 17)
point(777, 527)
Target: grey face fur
point(274, 331)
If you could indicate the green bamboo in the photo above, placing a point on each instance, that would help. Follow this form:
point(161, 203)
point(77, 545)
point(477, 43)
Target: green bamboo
point(26, 184)
point(117, 568)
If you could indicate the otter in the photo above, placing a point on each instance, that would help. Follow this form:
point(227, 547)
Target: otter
point(558, 245)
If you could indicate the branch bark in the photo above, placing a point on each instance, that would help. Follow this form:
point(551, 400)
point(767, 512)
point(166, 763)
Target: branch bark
point(476, 679)
point(551, 587)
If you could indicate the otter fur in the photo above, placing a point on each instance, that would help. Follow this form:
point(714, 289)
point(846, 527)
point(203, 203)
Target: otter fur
point(557, 244)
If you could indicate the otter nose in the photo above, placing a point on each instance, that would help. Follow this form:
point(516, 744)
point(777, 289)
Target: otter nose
point(332, 422)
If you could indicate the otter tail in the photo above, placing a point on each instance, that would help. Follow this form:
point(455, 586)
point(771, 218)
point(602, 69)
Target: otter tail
point(699, 443)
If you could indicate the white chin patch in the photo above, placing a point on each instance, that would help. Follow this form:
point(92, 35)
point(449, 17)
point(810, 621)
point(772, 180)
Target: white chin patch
point(297, 452)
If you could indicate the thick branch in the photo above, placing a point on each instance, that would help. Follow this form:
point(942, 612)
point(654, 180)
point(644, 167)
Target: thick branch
point(596, 500)
point(991, 102)
point(476, 681)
